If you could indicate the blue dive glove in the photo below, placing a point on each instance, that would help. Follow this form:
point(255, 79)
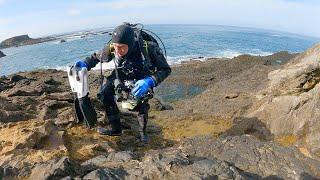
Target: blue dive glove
point(142, 86)
point(81, 64)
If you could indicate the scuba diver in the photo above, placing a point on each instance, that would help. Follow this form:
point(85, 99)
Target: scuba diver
point(140, 65)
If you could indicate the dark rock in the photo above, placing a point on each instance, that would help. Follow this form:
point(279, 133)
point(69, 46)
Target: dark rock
point(231, 96)
point(34, 138)
point(8, 172)
point(14, 116)
point(34, 90)
point(10, 112)
point(60, 111)
point(55, 169)
point(279, 58)
point(123, 156)
point(3, 77)
point(172, 163)
point(157, 105)
point(94, 163)
point(251, 126)
point(2, 54)
point(23, 40)
point(17, 92)
point(52, 81)
point(101, 174)
point(62, 41)
point(25, 171)
point(3, 87)
point(15, 78)
point(5, 104)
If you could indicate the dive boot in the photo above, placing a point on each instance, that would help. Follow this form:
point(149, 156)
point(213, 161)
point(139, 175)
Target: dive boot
point(144, 138)
point(109, 132)
point(115, 130)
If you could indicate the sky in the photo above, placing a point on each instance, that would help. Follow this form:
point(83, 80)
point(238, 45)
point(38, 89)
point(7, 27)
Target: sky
point(42, 17)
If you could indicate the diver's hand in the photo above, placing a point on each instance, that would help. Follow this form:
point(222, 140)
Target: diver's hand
point(142, 86)
point(81, 64)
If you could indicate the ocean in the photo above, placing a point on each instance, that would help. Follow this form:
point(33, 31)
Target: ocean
point(183, 42)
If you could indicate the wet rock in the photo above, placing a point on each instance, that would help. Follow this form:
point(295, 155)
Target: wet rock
point(55, 169)
point(62, 41)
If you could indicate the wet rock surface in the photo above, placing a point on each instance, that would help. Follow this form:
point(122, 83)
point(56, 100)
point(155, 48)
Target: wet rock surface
point(242, 118)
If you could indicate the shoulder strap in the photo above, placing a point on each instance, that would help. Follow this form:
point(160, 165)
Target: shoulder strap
point(146, 56)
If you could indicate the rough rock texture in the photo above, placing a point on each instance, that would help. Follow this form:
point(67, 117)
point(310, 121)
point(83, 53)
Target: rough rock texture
point(251, 155)
point(55, 169)
point(205, 157)
point(290, 104)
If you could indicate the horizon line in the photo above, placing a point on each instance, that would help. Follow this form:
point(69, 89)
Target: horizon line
point(192, 24)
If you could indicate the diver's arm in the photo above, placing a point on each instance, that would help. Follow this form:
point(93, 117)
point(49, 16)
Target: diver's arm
point(163, 69)
point(105, 55)
point(92, 61)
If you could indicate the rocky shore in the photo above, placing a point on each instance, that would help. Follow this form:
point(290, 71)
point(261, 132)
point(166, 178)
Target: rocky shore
point(250, 117)
point(22, 41)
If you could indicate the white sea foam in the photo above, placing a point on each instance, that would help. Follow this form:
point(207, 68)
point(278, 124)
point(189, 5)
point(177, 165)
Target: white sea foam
point(176, 60)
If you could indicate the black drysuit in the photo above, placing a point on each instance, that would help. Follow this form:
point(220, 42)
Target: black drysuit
point(132, 68)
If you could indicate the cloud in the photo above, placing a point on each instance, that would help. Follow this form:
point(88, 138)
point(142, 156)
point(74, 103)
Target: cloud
point(3, 2)
point(286, 15)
